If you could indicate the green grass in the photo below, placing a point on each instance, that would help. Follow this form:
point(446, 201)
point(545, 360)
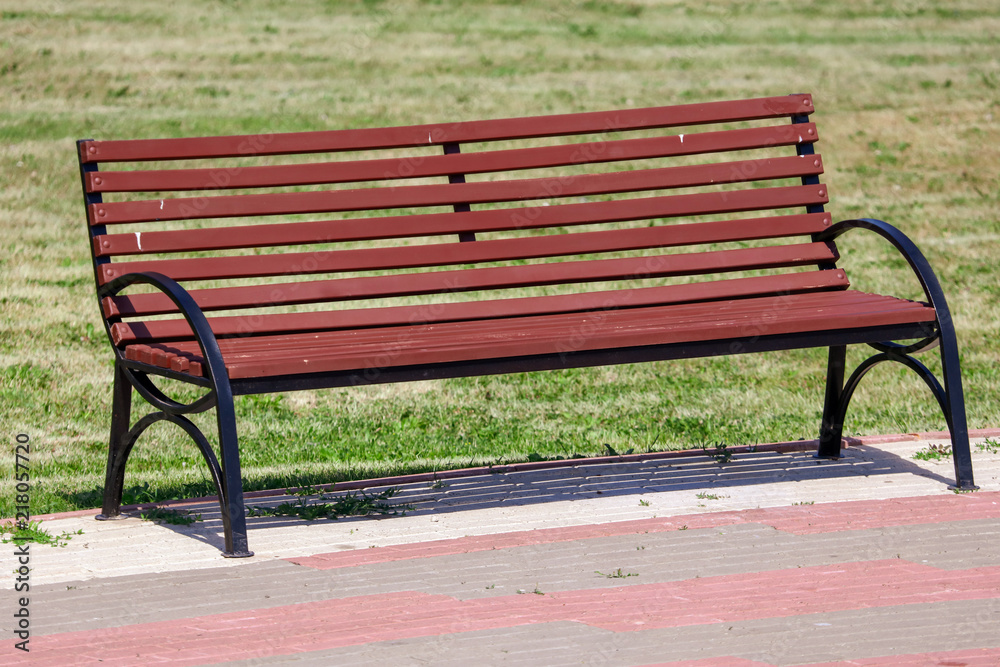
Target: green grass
point(907, 94)
point(989, 446)
point(933, 453)
point(32, 531)
point(355, 503)
point(169, 516)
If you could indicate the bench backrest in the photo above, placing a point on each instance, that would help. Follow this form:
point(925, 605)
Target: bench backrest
point(441, 222)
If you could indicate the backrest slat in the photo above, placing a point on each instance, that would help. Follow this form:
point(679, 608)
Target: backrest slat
point(511, 217)
point(241, 325)
point(235, 177)
point(469, 280)
point(443, 254)
point(440, 134)
point(298, 203)
point(439, 224)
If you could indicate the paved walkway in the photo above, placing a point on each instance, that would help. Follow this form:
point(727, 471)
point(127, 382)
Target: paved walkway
point(772, 558)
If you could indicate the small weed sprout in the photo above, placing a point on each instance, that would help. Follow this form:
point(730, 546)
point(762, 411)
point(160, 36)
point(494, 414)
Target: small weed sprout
point(617, 574)
point(721, 453)
point(933, 453)
point(169, 516)
point(33, 532)
point(136, 495)
point(351, 504)
point(989, 445)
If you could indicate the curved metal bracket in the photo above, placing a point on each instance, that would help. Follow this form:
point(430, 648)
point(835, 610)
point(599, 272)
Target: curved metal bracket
point(920, 266)
point(155, 396)
point(195, 433)
point(130, 438)
point(919, 368)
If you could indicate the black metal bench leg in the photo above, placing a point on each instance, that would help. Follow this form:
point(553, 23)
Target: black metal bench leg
point(954, 407)
point(832, 429)
point(234, 519)
point(119, 447)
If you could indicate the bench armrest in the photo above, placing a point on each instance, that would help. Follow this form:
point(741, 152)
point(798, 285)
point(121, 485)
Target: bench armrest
point(188, 307)
point(918, 263)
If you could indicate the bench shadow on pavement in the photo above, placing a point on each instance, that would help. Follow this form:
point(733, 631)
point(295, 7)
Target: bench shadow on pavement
point(583, 478)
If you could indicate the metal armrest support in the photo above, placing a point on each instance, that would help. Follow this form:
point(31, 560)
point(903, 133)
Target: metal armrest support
point(189, 309)
point(949, 396)
point(226, 476)
point(918, 263)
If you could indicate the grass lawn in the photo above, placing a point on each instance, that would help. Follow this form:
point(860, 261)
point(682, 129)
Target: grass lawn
point(908, 99)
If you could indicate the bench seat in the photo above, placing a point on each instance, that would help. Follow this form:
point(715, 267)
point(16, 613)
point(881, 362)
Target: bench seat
point(360, 349)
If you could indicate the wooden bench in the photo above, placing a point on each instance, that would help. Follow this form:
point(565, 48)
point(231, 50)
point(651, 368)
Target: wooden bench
point(352, 257)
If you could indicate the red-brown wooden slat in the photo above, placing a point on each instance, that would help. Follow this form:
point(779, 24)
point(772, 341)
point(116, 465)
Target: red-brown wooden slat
point(181, 364)
point(447, 194)
point(464, 341)
point(756, 315)
point(646, 332)
point(467, 280)
point(753, 311)
point(435, 224)
point(443, 254)
point(437, 134)
point(232, 177)
point(243, 325)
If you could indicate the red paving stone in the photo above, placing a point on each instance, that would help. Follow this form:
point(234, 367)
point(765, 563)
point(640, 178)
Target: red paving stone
point(799, 520)
point(987, 657)
point(330, 624)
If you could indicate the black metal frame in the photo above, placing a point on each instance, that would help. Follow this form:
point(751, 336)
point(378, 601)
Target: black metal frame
point(949, 396)
point(131, 375)
point(221, 390)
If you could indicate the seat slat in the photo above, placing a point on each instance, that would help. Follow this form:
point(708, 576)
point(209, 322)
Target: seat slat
point(379, 347)
point(794, 283)
point(447, 194)
point(467, 280)
point(353, 342)
point(171, 180)
point(642, 333)
point(439, 134)
point(759, 311)
point(557, 334)
point(443, 254)
point(437, 224)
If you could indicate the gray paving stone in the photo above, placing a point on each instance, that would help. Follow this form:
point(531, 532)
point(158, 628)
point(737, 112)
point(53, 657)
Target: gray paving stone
point(559, 566)
point(836, 636)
